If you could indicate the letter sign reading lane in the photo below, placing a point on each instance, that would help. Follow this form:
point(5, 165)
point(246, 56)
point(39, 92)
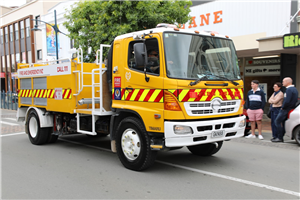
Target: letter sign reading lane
point(291, 41)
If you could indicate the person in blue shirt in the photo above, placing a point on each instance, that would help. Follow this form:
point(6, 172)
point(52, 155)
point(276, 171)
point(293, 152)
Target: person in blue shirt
point(255, 108)
point(289, 102)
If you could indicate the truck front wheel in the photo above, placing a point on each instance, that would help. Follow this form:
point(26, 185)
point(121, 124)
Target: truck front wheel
point(206, 149)
point(36, 134)
point(133, 145)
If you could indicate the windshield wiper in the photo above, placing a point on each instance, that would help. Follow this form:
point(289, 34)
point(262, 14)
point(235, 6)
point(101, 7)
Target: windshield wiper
point(198, 80)
point(233, 82)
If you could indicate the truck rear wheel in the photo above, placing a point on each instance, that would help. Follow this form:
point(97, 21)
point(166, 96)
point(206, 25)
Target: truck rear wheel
point(205, 149)
point(133, 145)
point(36, 134)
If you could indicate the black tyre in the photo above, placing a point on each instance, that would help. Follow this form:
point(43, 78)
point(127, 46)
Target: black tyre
point(51, 138)
point(133, 145)
point(246, 132)
point(296, 134)
point(205, 149)
point(36, 134)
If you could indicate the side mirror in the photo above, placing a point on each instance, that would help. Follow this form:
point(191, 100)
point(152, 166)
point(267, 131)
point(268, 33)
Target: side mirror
point(140, 54)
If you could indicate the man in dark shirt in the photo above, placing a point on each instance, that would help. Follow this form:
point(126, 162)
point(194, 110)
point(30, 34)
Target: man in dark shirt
point(289, 101)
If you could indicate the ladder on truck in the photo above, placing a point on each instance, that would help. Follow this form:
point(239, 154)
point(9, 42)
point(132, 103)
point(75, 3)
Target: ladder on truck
point(95, 112)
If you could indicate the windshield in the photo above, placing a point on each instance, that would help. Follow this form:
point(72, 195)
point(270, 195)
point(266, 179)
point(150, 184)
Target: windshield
point(193, 57)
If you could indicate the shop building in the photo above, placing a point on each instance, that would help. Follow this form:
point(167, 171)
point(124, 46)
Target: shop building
point(17, 42)
point(258, 30)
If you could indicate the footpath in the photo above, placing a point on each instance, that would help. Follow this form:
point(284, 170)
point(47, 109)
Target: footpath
point(267, 134)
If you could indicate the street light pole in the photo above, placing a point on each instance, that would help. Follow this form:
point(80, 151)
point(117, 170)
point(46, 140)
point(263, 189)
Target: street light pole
point(55, 28)
point(56, 44)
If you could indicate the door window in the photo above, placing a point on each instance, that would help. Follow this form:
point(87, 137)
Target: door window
point(153, 63)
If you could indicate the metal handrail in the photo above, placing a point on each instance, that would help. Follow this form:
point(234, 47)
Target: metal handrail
point(80, 76)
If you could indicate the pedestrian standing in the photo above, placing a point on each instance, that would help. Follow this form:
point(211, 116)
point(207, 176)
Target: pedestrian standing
point(275, 105)
point(255, 108)
point(289, 102)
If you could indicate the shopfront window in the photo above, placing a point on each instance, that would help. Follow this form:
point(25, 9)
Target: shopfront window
point(3, 63)
point(1, 35)
point(22, 29)
point(27, 22)
point(8, 63)
point(29, 57)
point(6, 34)
point(11, 33)
point(16, 31)
point(23, 60)
point(17, 58)
point(13, 69)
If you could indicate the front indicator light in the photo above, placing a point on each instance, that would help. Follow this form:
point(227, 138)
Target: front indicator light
point(242, 123)
point(182, 130)
point(171, 102)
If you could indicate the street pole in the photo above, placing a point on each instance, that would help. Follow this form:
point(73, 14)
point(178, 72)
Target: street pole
point(55, 29)
point(56, 39)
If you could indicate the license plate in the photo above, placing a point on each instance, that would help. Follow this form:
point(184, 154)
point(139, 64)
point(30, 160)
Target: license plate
point(217, 133)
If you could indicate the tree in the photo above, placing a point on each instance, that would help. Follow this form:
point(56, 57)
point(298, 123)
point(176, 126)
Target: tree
point(92, 23)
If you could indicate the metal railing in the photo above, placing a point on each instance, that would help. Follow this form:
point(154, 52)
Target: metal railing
point(9, 100)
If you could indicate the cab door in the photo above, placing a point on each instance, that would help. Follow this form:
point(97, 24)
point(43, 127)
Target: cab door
point(145, 98)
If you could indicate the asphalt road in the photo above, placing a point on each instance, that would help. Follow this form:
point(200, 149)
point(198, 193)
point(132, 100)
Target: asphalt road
point(81, 167)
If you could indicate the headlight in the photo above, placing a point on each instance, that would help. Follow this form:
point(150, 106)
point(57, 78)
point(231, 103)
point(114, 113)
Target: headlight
point(242, 123)
point(181, 130)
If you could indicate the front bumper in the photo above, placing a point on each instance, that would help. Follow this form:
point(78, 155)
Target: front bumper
point(201, 134)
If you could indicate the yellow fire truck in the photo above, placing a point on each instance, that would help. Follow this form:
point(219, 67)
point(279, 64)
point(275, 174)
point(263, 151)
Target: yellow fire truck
point(157, 89)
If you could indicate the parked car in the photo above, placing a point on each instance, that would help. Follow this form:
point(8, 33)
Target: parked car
point(292, 124)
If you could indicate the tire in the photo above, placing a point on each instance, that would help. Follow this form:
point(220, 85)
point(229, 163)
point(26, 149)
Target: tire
point(36, 134)
point(247, 132)
point(131, 135)
point(51, 138)
point(296, 134)
point(205, 149)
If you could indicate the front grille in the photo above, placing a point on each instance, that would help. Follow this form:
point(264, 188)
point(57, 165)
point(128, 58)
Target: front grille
point(230, 134)
point(204, 128)
point(200, 138)
point(201, 112)
point(229, 103)
point(229, 125)
point(200, 105)
point(225, 110)
point(206, 108)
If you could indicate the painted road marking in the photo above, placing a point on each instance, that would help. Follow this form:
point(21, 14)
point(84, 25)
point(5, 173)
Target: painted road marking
point(8, 123)
point(12, 119)
point(276, 189)
point(12, 134)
